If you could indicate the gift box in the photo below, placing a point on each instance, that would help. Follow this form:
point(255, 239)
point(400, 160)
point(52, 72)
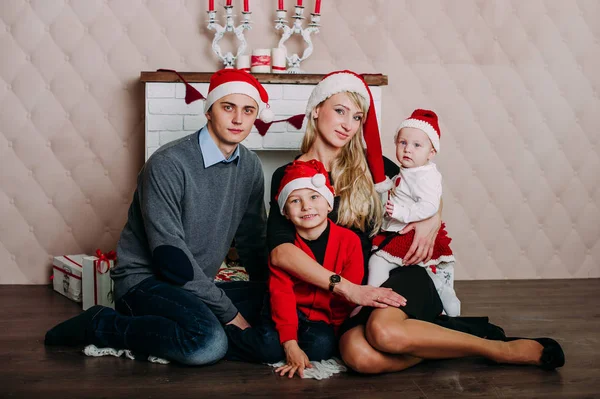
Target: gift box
point(66, 275)
point(97, 284)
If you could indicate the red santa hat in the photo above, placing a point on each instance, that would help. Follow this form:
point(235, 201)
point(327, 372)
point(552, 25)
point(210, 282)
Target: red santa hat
point(229, 81)
point(427, 121)
point(300, 174)
point(343, 81)
point(235, 81)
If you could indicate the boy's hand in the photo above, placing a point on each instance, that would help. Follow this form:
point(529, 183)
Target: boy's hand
point(296, 360)
point(389, 208)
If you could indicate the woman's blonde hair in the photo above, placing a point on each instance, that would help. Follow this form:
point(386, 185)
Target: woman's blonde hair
point(360, 205)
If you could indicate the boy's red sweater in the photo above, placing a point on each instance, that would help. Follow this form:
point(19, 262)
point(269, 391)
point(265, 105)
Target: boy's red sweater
point(343, 256)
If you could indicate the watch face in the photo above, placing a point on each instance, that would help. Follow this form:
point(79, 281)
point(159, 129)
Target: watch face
point(335, 278)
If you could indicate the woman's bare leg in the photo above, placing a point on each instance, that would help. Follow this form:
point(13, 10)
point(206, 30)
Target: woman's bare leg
point(389, 330)
point(360, 356)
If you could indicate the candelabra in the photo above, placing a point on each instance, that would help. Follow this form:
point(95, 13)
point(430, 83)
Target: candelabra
point(313, 27)
point(229, 59)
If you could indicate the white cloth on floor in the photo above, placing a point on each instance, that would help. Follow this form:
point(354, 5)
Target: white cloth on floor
point(320, 370)
point(93, 350)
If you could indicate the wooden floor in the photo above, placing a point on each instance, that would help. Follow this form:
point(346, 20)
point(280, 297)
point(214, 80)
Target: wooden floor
point(566, 310)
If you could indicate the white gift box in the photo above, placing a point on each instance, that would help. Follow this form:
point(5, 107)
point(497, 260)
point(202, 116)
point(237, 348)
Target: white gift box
point(66, 275)
point(97, 284)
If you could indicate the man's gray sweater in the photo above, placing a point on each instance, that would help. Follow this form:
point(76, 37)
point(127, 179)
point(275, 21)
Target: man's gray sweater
point(184, 217)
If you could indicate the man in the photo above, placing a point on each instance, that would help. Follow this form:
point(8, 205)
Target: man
point(193, 197)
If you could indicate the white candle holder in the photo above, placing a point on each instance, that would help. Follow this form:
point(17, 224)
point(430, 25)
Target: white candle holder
point(313, 27)
point(229, 59)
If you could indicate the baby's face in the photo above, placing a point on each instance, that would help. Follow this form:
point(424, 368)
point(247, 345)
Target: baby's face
point(413, 148)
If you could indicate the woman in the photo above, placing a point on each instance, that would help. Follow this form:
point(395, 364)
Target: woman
point(399, 325)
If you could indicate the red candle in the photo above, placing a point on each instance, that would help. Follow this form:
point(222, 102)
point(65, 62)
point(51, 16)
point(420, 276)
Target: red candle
point(211, 5)
point(280, 7)
point(228, 3)
point(299, 3)
point(246, 6)
point(317, 6)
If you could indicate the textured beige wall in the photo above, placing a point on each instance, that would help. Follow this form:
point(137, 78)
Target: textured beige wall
point(515, 84)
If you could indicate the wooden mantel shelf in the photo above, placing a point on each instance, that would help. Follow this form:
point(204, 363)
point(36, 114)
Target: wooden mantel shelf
point(277, 78)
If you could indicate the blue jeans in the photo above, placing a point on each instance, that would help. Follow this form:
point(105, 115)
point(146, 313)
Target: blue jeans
point(260, 343)
point(160, 319)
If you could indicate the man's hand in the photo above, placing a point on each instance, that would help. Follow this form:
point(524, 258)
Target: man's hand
point(240, 322)
point(367, 295)
point(426, 231)
point(296, 360)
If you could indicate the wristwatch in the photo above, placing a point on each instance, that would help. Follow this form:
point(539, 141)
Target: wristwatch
point(334, 280)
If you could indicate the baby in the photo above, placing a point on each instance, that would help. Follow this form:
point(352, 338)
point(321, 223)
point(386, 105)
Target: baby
point(416, 196)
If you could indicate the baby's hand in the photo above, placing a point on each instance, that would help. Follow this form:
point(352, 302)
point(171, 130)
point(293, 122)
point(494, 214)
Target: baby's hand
point(389, 208)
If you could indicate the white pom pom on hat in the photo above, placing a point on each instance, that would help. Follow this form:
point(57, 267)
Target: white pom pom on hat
point(267, 115)
point(318, 180)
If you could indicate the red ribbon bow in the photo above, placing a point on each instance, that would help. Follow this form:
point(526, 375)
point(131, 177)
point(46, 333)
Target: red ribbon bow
point(104, 259)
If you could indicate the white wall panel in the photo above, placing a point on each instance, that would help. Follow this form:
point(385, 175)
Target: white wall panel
point(515, 83)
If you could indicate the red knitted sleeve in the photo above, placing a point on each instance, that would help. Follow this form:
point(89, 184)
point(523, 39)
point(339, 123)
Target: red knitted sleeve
point(353, 271)
point(283, 304)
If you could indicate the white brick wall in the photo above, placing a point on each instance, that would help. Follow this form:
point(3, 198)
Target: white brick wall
point(168, 117)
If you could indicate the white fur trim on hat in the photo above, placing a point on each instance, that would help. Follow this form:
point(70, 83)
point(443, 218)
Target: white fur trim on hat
point(305, 182)
point(384, 186)
point(423, 126)
point(333, 84)
point(234, 87)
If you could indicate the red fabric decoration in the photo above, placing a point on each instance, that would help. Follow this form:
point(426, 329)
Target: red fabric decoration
point(191, 94)
point(295, 121)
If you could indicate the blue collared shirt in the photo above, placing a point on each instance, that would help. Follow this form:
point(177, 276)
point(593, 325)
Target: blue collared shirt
point(210, 152)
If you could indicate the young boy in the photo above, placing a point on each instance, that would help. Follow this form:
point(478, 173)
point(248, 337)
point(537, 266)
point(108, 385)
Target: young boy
point(305, 318)
point(416, 196)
